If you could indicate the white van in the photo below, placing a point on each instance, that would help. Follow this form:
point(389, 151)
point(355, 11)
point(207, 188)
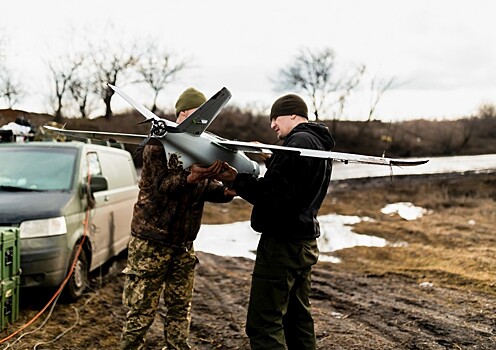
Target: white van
point(44, 190)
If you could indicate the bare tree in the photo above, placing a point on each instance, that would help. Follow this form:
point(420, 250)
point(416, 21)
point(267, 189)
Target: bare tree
point(348, 88)
point(110, 64)
point(157, 68)
point(80, 93)
point(485, 127)
point(62, 73)
point(10, 89)
point(3, 43)
point(80, 89)
point(314, 73)
point(378, 87)
point(487, 111)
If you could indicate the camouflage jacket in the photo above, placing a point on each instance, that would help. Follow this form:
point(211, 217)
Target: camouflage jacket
point(168, 209)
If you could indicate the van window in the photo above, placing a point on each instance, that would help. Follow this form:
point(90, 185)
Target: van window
point(39, 169)
point(118, 169)
point(91, 165)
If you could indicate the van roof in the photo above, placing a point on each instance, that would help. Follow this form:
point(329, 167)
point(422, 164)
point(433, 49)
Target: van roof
point(70, 144)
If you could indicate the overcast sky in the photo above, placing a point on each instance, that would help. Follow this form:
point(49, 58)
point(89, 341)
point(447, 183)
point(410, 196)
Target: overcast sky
point(441, 53)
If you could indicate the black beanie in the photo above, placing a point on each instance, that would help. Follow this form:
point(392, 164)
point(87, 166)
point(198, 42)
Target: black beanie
point(289, 105)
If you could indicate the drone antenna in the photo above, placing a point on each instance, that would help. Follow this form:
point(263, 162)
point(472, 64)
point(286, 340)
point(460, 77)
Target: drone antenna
point(386, 140)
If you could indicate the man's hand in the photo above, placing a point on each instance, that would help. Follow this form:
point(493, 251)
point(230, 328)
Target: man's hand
point(264, 156)
point(230, 192)
point(227, 173)
point(199, 173)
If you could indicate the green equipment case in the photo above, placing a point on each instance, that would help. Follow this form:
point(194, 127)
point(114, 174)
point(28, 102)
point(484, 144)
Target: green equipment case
point(9, 308)
point(9, 249)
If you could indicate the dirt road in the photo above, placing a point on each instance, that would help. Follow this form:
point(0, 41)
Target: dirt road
point(433, 287)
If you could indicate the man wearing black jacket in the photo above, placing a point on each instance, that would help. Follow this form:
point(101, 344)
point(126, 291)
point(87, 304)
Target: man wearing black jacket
point(285, 206)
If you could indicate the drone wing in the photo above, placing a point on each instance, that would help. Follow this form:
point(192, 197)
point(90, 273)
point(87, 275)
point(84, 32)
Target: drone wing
point(250, 147)
point(111, 137)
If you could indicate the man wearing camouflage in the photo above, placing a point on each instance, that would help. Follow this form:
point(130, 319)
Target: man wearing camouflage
point(166, 221)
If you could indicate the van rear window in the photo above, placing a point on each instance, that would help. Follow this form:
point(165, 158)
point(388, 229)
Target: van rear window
point(37, 169)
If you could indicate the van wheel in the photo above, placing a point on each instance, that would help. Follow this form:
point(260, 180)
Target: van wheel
point(78, 281)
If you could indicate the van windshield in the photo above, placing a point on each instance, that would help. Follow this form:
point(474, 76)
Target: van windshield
point(37, 169)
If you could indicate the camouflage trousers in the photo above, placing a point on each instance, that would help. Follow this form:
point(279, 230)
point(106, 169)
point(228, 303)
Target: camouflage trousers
point(279, 315)
point(153, 268)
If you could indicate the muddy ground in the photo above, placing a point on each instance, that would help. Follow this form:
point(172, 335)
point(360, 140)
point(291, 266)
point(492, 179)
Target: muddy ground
point(432, 287)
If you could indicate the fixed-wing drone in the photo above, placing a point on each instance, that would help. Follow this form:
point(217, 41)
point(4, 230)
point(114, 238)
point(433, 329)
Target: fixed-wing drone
point(190, 140)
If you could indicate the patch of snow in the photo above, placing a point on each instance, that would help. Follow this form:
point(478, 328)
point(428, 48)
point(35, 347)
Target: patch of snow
point(426, 285)
point(406, 210)
point(240, 240)
point(336, 233)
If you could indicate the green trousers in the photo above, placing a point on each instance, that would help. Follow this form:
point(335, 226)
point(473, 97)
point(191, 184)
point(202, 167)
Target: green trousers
point(279, 315)
point(151, 270)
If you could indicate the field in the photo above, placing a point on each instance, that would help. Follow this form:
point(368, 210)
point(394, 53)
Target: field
point(432, 287)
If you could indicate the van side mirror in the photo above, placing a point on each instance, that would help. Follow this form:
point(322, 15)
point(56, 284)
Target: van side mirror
point(98, 183)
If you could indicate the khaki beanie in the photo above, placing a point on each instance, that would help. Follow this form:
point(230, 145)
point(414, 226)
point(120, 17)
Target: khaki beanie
point(189, 99)
point(288, 105)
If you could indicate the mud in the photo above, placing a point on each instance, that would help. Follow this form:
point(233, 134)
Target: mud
point(432, 287)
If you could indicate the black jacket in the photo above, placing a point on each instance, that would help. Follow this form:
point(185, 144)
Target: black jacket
point(286, 200)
